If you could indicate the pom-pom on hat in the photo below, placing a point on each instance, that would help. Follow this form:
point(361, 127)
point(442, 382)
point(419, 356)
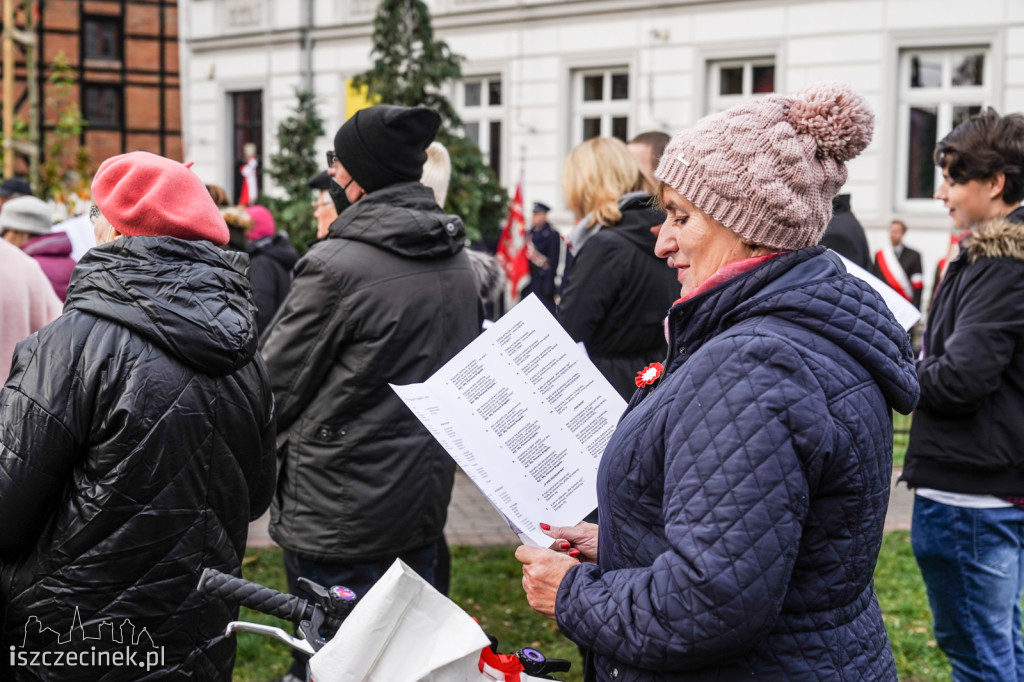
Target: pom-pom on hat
point(437, 171)
point(767, 169)
point(386, 144)
point(262, 222)
point(143, 194)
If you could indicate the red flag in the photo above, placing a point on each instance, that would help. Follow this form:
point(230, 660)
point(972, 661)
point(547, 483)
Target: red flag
point(511, 251)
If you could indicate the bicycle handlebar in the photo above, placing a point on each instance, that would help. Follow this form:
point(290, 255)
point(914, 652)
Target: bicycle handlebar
point(258, 597)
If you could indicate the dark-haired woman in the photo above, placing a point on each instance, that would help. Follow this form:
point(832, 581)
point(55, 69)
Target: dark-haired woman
point(965, 459)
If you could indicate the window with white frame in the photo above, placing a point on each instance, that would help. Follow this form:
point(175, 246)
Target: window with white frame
point(731, 81)
point(480, 106)
point(939, 89)
point(601, 104)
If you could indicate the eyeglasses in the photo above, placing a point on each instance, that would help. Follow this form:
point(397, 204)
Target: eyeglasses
point(94, 213)
point(331, 158)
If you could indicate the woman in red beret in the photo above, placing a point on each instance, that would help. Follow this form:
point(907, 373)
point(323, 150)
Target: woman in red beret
point(136, 443)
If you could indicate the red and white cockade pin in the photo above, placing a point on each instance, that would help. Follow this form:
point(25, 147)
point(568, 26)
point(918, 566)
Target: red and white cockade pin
point(649, 374)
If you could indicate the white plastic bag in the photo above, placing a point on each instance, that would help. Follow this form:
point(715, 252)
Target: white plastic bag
point(403, 630)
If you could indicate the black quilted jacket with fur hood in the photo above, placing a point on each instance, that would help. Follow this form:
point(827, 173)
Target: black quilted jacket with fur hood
point(968, 426)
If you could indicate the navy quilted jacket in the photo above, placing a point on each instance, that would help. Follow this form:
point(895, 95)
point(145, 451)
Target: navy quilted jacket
point(742, 497)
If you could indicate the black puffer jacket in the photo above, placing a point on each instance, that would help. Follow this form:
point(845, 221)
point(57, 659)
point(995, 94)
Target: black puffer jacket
point(618, 294)
point(271, 260)
point(136, 443)
point(968, 428)
point(388, 297)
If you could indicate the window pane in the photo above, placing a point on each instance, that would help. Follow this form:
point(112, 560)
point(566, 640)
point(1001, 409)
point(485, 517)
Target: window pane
point(619, 127)
point(495, 150)
point(102, 106)
point(962, 113)
point(593, 88)
point(472, 91)
point(764, 78)
point(620, 86)
point(473, 133)
point(967, 69)
point(591, 128)
point(920, 166)
point(102, 38)
point(926, 71)
point(731, 81)
point(494, 93)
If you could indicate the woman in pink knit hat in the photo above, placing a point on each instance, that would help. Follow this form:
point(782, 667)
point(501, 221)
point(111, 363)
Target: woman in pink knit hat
point(136, 442)
point(743, 493)
point(271, 261)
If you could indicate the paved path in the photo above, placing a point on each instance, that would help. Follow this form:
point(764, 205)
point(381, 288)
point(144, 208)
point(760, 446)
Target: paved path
point(472, 520)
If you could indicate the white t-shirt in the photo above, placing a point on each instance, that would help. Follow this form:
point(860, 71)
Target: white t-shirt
point(965, 500)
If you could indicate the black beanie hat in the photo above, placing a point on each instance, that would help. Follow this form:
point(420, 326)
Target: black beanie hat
point(386, 144)
point(320, 181)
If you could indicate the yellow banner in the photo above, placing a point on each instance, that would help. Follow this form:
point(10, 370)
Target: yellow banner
point(356, 99)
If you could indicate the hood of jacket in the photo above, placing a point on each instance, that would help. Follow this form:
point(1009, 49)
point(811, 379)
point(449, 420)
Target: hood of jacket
point(1000, 238)
point(275, 246)
point(190, 298)
point(403, 218)
point(57, 244)
point(638, 217)
point(809, 288)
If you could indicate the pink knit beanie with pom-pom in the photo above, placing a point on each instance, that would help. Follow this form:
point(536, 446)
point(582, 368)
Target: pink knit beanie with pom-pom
point(767, 169)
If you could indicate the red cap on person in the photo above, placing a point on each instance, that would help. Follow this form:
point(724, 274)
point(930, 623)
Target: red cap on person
point(146, 195)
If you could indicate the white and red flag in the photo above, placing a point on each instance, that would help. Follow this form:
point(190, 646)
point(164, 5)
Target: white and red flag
point(512, 247)
point(894, 274)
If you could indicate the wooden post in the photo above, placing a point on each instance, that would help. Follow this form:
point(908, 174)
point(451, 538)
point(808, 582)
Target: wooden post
point(8, 87)
point(32, 86)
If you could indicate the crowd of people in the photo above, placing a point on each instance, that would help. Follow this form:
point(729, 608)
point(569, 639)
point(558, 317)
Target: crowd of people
point(191, 371)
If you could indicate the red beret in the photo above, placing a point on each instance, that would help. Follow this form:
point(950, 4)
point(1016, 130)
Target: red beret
point(143, 194)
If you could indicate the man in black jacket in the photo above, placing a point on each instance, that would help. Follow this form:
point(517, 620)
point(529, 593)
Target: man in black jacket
point(845, 235)
point(965, 459)
point(900, 266)
point(388, 297)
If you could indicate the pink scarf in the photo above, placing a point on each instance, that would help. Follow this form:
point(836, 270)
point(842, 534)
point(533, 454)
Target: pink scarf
point(724, 274)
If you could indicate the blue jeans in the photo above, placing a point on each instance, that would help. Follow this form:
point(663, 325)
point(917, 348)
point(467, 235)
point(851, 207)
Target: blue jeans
point(357, 577)
point(972, 561)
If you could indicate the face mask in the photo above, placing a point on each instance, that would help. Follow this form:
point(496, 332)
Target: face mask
point(338, 196)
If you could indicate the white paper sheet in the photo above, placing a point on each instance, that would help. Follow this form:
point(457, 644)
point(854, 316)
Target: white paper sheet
point(526, 415)
point(902, 309)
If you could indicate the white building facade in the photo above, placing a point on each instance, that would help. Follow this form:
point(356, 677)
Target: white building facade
point(540, 76)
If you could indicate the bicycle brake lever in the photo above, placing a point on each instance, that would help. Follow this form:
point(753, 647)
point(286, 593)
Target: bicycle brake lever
point(269, 631)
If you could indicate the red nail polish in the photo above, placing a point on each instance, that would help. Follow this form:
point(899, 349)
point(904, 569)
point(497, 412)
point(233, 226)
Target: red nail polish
point(565, 544)
point(574, 553)
point(545, 526)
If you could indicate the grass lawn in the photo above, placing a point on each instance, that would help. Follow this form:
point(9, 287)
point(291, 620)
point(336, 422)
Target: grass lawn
point(901, 436)
point(486, 583)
